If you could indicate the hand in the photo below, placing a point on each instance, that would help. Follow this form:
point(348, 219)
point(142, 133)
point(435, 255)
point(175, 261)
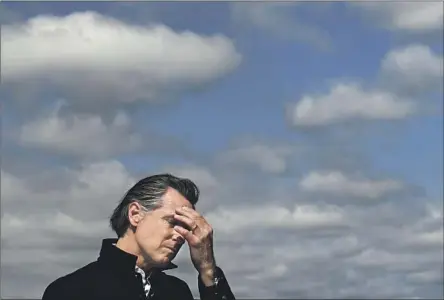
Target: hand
point(199, 236)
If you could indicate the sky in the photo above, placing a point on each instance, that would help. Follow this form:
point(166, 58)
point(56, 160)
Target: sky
point(314, 131)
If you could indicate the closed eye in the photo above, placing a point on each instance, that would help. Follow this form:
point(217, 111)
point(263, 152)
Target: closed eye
point(173, 222)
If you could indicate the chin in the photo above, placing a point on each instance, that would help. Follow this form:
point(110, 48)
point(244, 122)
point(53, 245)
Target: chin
point(163, 262)
point(164, 259)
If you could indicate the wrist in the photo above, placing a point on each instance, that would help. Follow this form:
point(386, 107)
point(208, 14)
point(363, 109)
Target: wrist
point(208, 275)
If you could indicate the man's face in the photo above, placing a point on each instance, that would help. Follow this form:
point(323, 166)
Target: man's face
point(155, 233)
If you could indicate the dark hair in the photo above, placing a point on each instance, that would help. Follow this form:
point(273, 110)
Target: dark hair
point(148, 193)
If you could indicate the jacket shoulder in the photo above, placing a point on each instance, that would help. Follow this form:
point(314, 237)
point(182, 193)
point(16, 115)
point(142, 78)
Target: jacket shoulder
point(67, 284)
point(176, 284)
point(172, 279)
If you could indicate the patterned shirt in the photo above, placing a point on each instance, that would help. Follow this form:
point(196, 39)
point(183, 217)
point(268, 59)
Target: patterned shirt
point(145, 280)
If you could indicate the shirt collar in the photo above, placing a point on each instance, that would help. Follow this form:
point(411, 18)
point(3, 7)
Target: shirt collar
point(114, 256)
point(142, 272)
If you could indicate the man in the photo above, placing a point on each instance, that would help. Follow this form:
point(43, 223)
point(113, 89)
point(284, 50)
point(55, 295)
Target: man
point(152, 222)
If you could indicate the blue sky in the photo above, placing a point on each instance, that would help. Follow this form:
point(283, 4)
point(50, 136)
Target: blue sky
point(299, 105)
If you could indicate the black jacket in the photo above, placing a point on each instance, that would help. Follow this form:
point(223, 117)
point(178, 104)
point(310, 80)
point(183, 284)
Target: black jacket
point(113, 277)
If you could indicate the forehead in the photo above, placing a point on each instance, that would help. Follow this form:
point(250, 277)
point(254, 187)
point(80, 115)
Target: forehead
point(172, 199)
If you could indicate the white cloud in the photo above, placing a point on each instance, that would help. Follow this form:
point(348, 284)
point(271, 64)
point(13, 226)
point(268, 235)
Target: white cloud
point(432, 238)
point(336, 182)
point(415, 59)
point(54, 223)
point(105, 59)
point(348, 101)
point(202, 176)
point(429, 276)
point(81, 134)
point(11, 186)
point(274, 272)
point(390, 260)
point(92, 191)
point(269, 159)
point(270, 216)
point(415, 17)
point(414, 66)
point(405, 72)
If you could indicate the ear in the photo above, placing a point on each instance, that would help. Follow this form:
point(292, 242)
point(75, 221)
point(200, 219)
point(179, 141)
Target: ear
point(135, 213)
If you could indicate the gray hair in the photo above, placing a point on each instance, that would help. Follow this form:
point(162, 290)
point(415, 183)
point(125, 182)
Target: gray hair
point(148, 193)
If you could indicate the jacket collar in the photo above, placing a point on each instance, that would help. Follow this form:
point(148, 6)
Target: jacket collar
point(111, 255)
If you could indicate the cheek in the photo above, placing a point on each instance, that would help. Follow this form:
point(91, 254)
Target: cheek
point(154, 233)
point(145, 232)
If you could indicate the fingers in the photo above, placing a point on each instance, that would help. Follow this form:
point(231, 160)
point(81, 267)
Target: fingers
point(187, 234)
point(190, 223)
point(190, 217)
point(182, 231)
point(186, 211)
point(198, 230)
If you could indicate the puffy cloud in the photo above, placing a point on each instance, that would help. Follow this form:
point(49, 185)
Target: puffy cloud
point(264, 217)
point(202, 176)
point(335, 182)
point(54, 224)
point(348, 101)
point(414, 17)
point(267, 158)
point(83, 135)
point(85, 193)
point(405, 73)
point(413, 68)
point(430, 276)
point(100, 59)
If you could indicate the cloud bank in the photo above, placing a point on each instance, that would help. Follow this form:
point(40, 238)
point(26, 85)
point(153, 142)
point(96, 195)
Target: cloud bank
point(296, 213)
